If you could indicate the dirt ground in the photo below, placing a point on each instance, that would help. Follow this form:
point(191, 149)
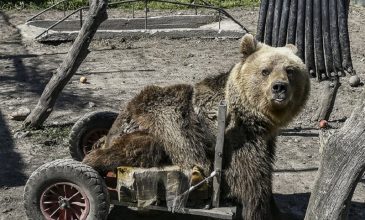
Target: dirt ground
point(116, 70)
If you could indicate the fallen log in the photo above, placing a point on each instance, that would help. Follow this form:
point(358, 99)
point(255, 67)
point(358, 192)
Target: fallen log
point(77, 53)
point(341, 167)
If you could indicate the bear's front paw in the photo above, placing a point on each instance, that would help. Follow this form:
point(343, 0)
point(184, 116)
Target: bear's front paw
point(197, 175)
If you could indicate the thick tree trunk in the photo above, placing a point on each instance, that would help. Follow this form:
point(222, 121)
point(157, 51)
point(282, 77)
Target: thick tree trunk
point(342, 165)
point(74, 58)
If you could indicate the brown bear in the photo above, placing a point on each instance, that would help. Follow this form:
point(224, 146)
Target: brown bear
point(177, 124)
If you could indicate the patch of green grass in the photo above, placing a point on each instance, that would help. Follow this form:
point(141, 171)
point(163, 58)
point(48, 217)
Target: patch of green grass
point(51, 135)
point(74, 4)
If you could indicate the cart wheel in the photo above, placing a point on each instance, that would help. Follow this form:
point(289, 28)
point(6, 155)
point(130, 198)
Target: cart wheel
point(88, 130)
point(66, 189)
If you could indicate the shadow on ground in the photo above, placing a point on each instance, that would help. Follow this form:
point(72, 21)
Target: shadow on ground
point(11, 163)
point(296, 204)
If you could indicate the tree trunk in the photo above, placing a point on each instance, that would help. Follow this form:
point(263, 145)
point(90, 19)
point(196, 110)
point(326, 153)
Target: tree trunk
point(74, 58)
point(342, 165)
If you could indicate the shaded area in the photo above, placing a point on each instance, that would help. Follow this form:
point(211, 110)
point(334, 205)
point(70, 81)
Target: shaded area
point(11, 163)
point(297, 204)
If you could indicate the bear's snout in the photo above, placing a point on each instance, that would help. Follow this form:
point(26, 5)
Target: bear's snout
point(280, 92)
point(280, 87)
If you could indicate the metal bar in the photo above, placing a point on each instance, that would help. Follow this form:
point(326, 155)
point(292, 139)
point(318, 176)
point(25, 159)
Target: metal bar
point(206, 5)
point(132, 10)
point(45, 10)
point(218, 159)
point(64, 8)
point(80, 18)
point(146, 13)
point(196, 9)
point(58, 22)
point(220, 213)
point(269, 22)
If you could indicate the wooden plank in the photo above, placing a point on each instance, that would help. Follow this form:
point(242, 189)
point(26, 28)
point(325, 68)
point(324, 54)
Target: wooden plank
point(219, 213)
point(222, 109)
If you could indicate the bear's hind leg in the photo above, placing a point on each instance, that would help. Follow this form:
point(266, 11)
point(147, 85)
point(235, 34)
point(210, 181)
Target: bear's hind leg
point(137, 149)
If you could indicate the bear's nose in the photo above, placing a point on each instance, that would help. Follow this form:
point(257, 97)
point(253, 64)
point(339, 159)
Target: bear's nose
point(280, 87)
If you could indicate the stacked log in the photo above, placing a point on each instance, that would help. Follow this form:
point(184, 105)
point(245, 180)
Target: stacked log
point(318, 28)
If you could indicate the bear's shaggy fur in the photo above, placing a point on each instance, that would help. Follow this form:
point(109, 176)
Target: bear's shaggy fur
point(177, 124)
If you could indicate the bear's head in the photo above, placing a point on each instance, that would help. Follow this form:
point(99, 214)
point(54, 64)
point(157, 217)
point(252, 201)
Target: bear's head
point(273, 81)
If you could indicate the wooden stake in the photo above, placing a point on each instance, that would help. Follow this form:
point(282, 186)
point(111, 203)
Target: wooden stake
point(309, 45)
point(327, 39)
point(344, 37)
point(276, 24)
point(78, 52)
point(300, 38)
point(269, 22)
point(262, 20)
point(335, 41)
point(292, 23)
point(318, 40)
point(283, 23)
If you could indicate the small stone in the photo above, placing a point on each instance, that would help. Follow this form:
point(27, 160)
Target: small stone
point(92, 104)
point(354, 81)
point(21, 134)
point(309, 156)
point(20, 114)
point(323, 123)
point(83, 79)
point(296, 140)
point(190, 65)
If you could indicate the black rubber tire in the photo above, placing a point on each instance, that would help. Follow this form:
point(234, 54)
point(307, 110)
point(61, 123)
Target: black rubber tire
point(90, 121)
point(67, 170)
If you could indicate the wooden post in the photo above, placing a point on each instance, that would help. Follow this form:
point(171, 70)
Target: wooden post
point(78, 52)
point(218, 158)
point(341, 167)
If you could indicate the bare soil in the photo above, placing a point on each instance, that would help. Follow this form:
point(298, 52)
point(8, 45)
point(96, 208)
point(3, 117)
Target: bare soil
point(116, 70)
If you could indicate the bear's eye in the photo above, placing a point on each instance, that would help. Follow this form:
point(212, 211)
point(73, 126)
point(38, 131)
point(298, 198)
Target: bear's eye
point(290, 71)
point(265, 72)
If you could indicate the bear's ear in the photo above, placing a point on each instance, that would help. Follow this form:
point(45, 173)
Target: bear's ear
point(292, 48)
point(248, 45)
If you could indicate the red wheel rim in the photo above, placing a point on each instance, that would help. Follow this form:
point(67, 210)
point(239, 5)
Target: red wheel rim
point(64, 201)
point(91, 138)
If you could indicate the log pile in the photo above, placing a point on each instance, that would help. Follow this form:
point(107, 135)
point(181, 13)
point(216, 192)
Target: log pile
point(318, 28)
